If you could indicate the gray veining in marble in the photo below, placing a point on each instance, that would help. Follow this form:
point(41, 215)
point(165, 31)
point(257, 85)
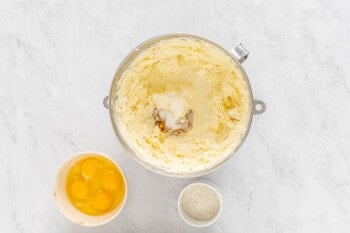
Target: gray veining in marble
point(292, 175)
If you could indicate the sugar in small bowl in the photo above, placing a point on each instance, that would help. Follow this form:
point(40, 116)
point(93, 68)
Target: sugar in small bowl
point(90, 189)
point(200, 204)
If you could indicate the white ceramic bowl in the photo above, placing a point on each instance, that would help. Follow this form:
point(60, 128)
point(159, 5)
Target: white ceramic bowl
point(64, 204)
point(195, 222)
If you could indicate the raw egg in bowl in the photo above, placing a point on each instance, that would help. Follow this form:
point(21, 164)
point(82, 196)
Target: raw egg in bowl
point(90, 189)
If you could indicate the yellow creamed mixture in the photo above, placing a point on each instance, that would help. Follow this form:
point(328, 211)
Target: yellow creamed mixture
point(213, 86)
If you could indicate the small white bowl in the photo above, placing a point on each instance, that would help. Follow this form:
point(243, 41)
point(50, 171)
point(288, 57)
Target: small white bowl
point(64, 204)
point(195, 222)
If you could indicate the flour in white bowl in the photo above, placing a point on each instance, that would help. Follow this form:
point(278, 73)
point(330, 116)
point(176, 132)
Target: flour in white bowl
point(200, 202)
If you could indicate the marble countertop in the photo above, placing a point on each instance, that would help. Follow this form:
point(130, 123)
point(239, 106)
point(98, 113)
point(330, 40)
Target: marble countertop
point(57, 60)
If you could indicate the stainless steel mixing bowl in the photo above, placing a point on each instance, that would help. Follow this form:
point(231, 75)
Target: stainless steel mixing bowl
point(239, 54)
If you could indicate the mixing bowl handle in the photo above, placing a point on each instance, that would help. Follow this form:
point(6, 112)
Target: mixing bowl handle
point(106, 102)
point(258, 107)
point(240, 53)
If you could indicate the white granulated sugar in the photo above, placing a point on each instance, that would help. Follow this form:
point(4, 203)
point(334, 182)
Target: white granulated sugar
point(200, 202)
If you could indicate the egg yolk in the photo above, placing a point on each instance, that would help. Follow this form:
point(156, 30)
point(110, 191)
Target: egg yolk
point(89, 168)
point(95, 186)
point(79, 189)
point(101, 201)
point(110, 181)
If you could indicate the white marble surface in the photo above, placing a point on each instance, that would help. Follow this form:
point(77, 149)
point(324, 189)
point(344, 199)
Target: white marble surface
point(57, 60)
